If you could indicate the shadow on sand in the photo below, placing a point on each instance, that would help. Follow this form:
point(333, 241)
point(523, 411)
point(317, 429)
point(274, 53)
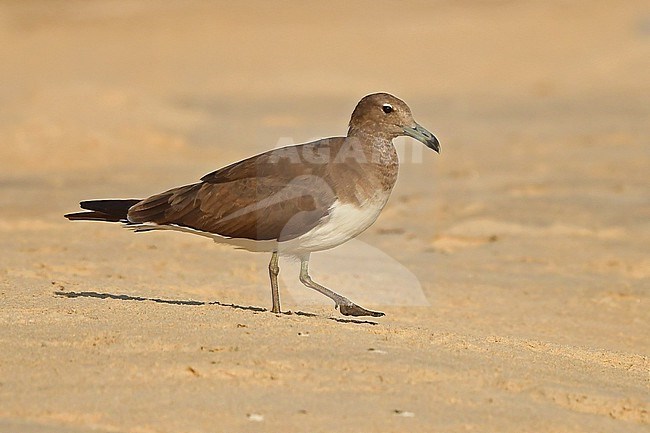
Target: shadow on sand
point(190, 302)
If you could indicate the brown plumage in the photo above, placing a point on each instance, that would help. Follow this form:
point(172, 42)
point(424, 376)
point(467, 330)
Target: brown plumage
point(292, 197)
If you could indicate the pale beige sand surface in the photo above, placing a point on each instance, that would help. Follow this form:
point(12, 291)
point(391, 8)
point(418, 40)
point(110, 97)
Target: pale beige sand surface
point(514, 267)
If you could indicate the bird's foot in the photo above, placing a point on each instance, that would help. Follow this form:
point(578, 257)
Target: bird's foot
point(355, 310)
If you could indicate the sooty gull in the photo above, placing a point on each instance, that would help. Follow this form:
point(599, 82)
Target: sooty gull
point(290, 201)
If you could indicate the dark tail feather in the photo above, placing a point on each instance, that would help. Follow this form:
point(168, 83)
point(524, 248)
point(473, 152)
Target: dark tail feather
point(92, 216)
point(103, 210)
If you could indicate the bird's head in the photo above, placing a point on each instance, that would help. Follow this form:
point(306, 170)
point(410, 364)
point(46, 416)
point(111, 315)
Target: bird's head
point(386, 115)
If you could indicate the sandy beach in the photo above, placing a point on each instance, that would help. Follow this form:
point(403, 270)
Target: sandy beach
point(513, 268)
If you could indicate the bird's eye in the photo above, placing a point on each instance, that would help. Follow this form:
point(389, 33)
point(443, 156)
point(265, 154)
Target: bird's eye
point(387, 108)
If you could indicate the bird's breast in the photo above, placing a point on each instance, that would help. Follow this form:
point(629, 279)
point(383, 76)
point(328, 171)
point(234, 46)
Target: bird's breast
point(343, 222)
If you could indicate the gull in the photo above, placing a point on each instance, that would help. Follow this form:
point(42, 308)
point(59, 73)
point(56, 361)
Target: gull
point(289, 201)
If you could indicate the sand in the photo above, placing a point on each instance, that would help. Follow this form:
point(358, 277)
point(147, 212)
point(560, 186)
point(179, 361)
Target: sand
point(513, 268)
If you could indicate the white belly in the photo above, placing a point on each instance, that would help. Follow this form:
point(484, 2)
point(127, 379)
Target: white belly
point(345, 221)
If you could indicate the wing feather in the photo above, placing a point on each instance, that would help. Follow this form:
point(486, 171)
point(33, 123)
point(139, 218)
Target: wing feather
point(269, 196)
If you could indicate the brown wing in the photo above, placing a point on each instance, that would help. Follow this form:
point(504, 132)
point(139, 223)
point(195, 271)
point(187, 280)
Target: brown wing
point(285, 163)
point(270, 196)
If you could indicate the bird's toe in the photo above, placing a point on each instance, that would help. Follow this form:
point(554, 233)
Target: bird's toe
point(355, 310)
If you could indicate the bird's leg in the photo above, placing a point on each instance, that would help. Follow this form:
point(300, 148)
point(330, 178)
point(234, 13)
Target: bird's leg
point(274, 270)
point(345, 306)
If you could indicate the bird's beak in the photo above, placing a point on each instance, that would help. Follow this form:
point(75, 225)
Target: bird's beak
point(421, 134)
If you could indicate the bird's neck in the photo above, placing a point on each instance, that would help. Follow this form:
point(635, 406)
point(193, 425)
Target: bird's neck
point(375, 153)
point(375, 148)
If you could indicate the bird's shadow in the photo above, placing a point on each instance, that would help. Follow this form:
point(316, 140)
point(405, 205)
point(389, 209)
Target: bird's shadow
point(198, 303)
